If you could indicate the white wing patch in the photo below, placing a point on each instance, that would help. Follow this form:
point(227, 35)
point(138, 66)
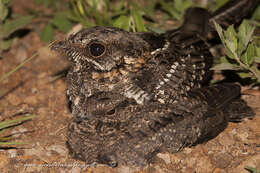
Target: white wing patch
point(137, 93)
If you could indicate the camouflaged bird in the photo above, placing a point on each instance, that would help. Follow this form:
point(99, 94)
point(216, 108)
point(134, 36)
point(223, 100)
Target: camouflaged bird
point(136, 94)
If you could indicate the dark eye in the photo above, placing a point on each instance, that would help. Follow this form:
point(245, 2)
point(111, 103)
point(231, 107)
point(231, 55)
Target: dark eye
point(96, 49)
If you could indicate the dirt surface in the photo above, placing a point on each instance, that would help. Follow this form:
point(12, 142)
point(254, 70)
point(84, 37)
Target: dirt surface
point(31, 91)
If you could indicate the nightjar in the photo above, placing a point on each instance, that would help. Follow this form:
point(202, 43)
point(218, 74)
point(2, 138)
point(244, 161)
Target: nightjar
point(136, 94)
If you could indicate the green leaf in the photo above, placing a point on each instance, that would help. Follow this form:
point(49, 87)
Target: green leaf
point(4, 13)
point(138, 20)
point(13, 143)
point(5, 44)
point(149, 9)
point(155, 30)
point(220, 3)
point(47, 33)
point(224, 66)
point(223, 60)
point(257, 59)
point(117, 6)
point(242, 37)
point(62, 22)
point(256, 71)
point(13, 25)
point(252, 170)
point(3, 10)
point(6, 1)
point(230, 39)
point(4, 138)
point(256, 15)
point(96, 13)
point(115, 14)
point(80, 8)
point(230, 33)
point(181, 6)
point(231, 45)
point(122, 22)
point(250, 54)
point(244, 58)
point(169, 7)
point(38, 2)
point(245, 32)
point(74, 16)
point(8, 123)
point(229, 53)
point(47, 3)
point(220, 31)
point(244, 75)
point(257, 51)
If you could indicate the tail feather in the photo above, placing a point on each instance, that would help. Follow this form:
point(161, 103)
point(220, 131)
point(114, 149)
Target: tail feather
point(237, 110)
point(224, 97)
point(217, 96)
point(200, 21)
point(234, 11)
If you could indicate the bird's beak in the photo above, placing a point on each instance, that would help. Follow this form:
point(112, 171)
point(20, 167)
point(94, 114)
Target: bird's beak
point(59, 46)
point(63, 48)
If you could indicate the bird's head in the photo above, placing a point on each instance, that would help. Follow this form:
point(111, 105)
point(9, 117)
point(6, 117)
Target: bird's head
point(104, 49)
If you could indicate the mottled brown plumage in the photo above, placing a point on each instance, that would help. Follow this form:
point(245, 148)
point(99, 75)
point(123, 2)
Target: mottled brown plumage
point(136, 94)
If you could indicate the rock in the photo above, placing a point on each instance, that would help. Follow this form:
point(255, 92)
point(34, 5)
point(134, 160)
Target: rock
point(12, 153)
point(204, 165)
point(252, 161)
point(59, 149)
point(21, 53)
point(221, 160)
point(3, 161)
point(165, 157)
point(218, 170)
point(75, 170)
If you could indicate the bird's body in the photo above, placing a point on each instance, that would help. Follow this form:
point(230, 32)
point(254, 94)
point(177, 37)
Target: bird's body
point(136, 94)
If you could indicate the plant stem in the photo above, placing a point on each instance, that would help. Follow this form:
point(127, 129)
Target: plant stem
point(247, 67)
